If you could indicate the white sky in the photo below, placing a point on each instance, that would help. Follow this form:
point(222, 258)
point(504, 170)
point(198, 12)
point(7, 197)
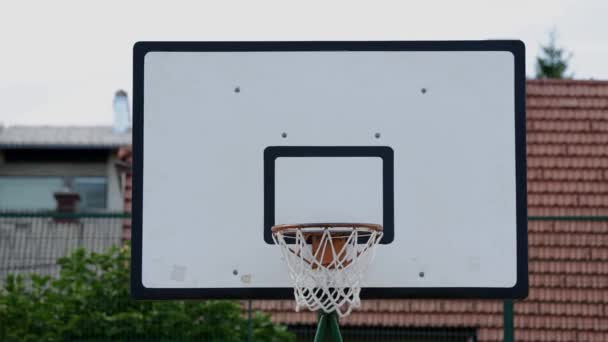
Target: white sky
point(62, 61)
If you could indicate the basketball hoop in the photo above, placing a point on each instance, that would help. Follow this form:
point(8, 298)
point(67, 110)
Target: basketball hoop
point(327, 262)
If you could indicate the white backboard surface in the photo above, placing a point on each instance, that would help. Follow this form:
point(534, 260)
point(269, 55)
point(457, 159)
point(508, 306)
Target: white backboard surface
point(331, 189)
point(451, 114)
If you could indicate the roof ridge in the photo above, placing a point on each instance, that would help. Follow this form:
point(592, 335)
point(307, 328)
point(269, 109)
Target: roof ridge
point(50, 126)
point(564, 81)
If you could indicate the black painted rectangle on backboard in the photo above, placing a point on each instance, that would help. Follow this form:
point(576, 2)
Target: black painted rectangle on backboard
point(385, 153)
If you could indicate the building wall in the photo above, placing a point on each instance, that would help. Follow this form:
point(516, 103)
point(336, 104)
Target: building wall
point(115, 201)
point(115, 192)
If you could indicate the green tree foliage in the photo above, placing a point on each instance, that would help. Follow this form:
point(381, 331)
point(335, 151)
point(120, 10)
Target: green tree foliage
point(553, 61)
point(90, 301)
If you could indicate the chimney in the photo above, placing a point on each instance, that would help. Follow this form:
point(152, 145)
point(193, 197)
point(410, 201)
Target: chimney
point(67, 203)
point(122, 119)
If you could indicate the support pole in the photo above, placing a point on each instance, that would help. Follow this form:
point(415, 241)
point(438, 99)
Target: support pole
point(334, 327)
point(328, 328)
point(320, 334)
point(508, 326)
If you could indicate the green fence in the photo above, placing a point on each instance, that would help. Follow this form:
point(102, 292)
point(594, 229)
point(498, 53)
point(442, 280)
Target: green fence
point(32, 242)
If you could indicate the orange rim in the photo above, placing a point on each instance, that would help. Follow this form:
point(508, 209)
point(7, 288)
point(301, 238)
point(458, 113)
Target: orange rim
point(353, 225)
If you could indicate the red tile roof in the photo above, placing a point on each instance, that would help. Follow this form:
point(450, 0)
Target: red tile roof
point(567, 132)
point(126, 154)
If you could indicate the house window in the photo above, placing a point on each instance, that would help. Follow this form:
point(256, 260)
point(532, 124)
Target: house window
point(92, 191)
point(18, 193)
point(36, 193)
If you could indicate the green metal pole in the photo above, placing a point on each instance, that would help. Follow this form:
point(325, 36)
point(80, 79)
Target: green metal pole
point(320, 334)
point(328, 328)
point(509, 329)
point(334, 327)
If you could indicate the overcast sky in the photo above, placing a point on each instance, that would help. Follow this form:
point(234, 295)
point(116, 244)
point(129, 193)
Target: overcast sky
point(62, 61)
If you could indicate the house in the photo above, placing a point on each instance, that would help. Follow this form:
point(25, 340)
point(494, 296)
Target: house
point(567, 146)
point(37, 161)
point(58, 168)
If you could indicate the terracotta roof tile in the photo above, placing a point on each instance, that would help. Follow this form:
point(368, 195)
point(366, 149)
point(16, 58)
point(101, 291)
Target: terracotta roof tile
point(490, 334)
point(590, 188)
point(593, 200)
point(568, 240)
point(558, 126)
point(562, 322)
point(563, 253)
point(597, 296)
point(578, 227)
point(559, 309)
point(599, 150)
point(436, 319)
point(567, 88)
point(568, 268)
point(566, 114)
point(573, 175)
point(553, 211)
point(547, 150)
point(567, 147)
point(534, 102)
point(599, 126)
point(600, 227)
point(571, 138)
point(125, 154)
point(553, 200)
point(591, 336)
point(546, 335)
point(595, 281)
point(535, 174)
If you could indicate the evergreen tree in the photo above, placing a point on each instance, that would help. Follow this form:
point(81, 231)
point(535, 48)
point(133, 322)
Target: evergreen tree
point(553, 61)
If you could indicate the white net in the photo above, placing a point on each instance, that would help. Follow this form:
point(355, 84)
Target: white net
point(327, 262)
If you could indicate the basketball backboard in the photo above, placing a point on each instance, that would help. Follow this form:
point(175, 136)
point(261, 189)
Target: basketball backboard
point(425, 138)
